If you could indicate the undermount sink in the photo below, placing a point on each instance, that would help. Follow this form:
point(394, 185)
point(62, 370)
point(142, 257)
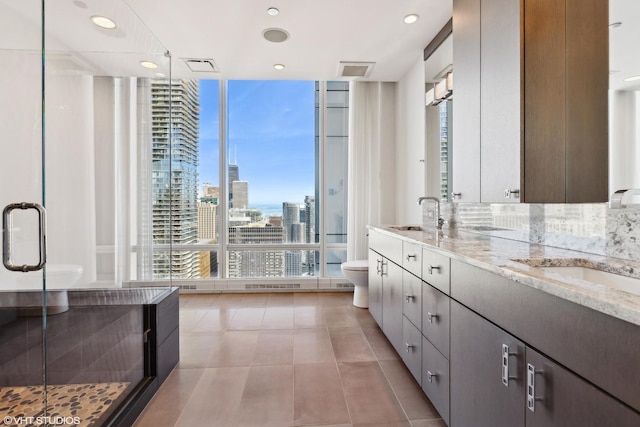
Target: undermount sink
point(406, 227)
point(610, 275)
point(613, 280)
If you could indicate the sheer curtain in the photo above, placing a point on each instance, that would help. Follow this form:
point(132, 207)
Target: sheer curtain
point(371, 181)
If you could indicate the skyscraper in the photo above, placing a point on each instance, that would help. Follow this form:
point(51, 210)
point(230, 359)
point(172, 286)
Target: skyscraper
point(256, 263)
point(175, 174)
point(234, 175)
point(208, 222)
point(290, 216)
point(310, 234)
point(240, 191)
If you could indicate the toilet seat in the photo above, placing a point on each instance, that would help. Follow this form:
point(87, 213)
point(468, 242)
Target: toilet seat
point(357, 265)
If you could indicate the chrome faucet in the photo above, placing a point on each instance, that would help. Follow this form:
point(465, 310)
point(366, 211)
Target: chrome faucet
point(439, 221)
point(616, 198)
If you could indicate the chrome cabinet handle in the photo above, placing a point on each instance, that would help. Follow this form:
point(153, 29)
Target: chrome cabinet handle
point(505, 365)
point(410, 257)
point(433, 267)
point(410, 298)
point(409, 347)
point(378, 270)
point(455, 195)
point(7, 240)
point(431, 316)
point(508, 192)
point(382, 265)
point(431, 376)
point(531, 387)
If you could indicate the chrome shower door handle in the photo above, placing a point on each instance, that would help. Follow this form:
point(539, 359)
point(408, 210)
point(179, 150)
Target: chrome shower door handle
point(7, 241)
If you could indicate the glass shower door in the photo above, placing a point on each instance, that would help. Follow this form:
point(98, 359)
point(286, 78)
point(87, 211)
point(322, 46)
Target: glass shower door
point(23, 311)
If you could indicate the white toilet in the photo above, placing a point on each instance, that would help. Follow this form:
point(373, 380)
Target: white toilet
point(59, 276)
point(357, 272)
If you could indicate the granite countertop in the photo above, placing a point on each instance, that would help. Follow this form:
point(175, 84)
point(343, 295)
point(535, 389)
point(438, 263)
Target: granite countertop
point(498, 255)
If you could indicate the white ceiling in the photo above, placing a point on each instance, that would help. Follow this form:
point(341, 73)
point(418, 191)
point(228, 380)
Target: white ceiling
point(322, 33)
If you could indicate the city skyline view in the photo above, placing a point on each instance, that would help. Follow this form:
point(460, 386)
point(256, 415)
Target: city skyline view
point(270, 136)
point(270, 193)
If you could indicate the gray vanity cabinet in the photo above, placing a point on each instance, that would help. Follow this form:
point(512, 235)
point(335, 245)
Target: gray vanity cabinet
point(385, 296)
point(375, 285)
point(558, 397)
point(436, 318)
point(435, 378)
point(385, 285)
point(392, 298)
point(480, 397)
point(412, 298)
point(412, 352)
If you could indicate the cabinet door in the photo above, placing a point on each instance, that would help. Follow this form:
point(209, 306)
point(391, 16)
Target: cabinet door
point(375, 286)
point(479, 396)
point(435, 378)
point(558, 397)
point(500, 123)
point(466, 111)
point(436, 318)
point(412, 352)
point(412, 298)
point(392, 304)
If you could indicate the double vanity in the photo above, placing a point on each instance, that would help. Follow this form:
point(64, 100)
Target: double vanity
point(505, 333)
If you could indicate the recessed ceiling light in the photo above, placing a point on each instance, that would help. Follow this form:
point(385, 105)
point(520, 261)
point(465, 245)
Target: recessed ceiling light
point(273, 11)
point(160, 75)
point(148, 64)
point(632, 79)
point(410, 19)
point(103, 22)
point(615, 25)
point(279, 66)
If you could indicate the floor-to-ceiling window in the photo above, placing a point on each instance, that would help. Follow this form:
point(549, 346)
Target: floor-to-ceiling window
point(258, 189)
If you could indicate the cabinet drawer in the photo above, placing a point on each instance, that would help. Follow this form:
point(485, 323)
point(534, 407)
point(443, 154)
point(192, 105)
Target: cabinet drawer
point(435, 378)
point(436, 318)
point(412, 258)
point(436, 270)
point(389, 246)
point(412, 352)
point(412, 298)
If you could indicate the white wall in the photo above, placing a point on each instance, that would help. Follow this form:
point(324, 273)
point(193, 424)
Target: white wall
point(410, 142)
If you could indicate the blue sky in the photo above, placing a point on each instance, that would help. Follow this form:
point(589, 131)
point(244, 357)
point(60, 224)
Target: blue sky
point(271, 130)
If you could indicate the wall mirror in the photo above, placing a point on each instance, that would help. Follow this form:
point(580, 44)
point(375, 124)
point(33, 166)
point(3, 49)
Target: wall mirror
point(438, 114)
point(624, 95)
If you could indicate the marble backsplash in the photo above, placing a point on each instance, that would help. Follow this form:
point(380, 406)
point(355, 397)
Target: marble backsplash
point(592, 228)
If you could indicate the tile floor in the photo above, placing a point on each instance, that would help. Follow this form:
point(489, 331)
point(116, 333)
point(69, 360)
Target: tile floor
point(285, 359)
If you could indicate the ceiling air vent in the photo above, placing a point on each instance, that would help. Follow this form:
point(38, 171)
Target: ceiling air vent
point(201, 65)
point(355, 69)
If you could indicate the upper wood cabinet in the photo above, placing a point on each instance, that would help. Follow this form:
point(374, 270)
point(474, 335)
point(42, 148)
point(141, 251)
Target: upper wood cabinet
point(530, 109)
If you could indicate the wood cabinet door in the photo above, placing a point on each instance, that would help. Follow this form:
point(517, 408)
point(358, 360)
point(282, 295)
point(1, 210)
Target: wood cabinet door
point(479, 397)
point(558, 397)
